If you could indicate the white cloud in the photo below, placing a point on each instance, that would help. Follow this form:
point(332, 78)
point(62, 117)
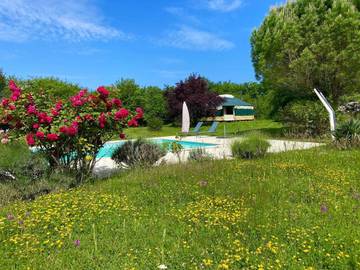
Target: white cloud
point(193, 39)
point(224, 5)
point(182, 14)
point(53, 19)
point(171, 74)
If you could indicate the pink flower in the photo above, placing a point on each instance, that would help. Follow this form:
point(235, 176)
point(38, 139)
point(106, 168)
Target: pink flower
point(140, 113)
point(30, 139)
point(54, 112)
point(82, 93)
point(48, 119)
point(4, 140)
point(58, 105)
point(36, 126)
point(91, 97)
point(16, 92)
point(52, 137)
point(77, 243)
point(102, 120)
point(104, 93)
point(122, 136)
point(12, 107)
point(31, 109)
point(4, 102)
point(89, 117)
point(42, 117)
point(121, 114)
point(109, 105)
point(14, 97)
point(63, 129)
point(117, 102)
point(40, 135)
point(79, 99)
point(76, 102)
point(133, 123)
point(13, 87)
point(72, 131)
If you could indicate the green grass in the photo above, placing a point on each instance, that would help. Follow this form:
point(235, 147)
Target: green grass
point(231, 128)
point(293, 210)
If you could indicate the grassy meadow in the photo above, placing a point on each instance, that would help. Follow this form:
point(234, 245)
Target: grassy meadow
point(293, 210)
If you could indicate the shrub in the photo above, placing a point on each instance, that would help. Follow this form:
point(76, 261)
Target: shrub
point(253, 146)
point(139, 153)
point(26, 175)
point(347, 134)
point(69, 133)
point(155, 123)
point(17, 160)
point(199, 154)
point(306, 118)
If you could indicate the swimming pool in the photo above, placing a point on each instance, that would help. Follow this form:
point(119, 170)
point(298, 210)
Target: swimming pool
point(110, 147)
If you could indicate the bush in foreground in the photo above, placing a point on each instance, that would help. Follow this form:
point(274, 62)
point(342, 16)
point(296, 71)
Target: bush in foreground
point(139, 153)
point(251, 147)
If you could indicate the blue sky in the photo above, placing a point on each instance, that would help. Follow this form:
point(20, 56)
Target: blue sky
point(158, 42)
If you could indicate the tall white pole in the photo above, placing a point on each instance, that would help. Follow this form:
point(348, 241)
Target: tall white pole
point(332, 116)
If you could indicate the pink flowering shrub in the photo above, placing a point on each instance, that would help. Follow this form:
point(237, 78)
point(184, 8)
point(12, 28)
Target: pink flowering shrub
point(69, 132)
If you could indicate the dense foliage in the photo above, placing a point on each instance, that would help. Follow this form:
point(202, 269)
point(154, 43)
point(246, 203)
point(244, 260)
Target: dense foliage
point(195, 91)
point(150, 98)
point(252, 146)
point(305, 44)
point(129, 92)
point(154, 123)
point(2, 83)
point(305, 118)
point(138, 153)
point(69, 132)
point(27, 175)
point(50, 86)
point(154, 104)
point(347, 134)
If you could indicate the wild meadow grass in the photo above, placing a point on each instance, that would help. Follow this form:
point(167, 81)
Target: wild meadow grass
point(294, 210)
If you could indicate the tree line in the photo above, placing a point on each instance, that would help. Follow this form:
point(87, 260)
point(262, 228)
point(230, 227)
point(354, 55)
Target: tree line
point(161, 105)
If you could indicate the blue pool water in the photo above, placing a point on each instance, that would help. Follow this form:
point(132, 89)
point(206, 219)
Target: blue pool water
point(109, 148)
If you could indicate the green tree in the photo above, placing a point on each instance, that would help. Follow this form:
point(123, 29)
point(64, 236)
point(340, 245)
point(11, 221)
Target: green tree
point(305, 44)
point(54, 87)
point(2, 83)
point(129, 92)
point(154, 103)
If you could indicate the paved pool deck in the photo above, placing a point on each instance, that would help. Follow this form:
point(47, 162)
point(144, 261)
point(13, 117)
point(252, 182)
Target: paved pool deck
point(220, 150)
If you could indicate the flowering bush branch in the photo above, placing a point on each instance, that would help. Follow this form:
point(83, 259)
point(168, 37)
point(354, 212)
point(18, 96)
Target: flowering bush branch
point(70, 133)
